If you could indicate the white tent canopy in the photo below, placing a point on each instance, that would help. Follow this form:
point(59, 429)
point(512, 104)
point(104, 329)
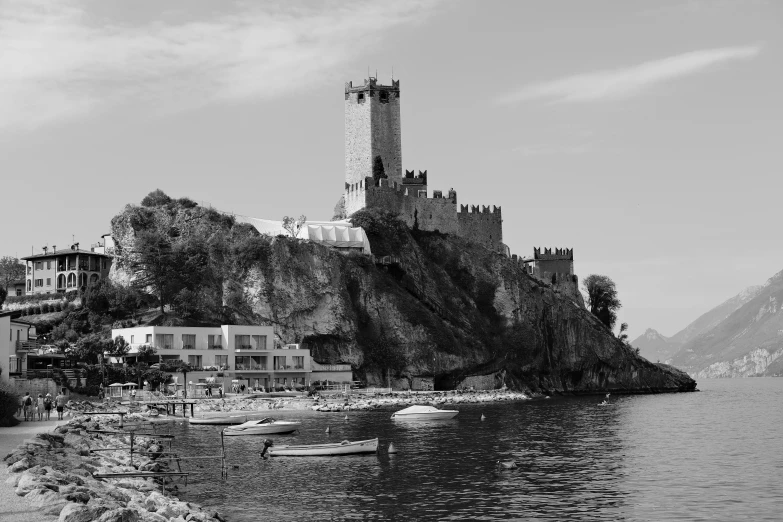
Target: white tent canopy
point(337, 234)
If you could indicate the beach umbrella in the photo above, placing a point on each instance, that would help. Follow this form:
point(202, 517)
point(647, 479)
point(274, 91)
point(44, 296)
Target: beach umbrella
point(130, 384)
point(116, 384)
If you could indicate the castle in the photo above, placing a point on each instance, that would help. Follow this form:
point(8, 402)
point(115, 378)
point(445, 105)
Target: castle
point(372, 135)
point(373, 139)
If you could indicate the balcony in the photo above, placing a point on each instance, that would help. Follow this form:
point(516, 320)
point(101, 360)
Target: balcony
point(252, 367)
point(215, 347)
point(188, 347)
point(249, 348)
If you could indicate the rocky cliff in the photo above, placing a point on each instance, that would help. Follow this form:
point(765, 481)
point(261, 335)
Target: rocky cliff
point(441, 307)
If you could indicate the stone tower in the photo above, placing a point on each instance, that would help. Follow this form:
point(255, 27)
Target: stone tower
point(372, 128)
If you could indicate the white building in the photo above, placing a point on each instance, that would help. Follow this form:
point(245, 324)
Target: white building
point(13, 355)
point(227, 353)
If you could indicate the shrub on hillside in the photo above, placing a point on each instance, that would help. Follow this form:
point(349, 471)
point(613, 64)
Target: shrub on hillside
point(46, 308)
point(9, 404)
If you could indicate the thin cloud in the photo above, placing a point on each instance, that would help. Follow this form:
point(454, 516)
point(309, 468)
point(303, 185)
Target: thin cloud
point(550, 149)
point(622, 83)
point(59, 60)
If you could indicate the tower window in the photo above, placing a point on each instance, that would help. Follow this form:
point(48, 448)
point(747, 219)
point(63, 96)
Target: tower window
point(384, 97)
point(360, 97)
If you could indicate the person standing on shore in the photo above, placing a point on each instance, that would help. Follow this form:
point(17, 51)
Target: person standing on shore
point(27, 405)
point(39, 407)
point(60, 403)
point(48, 405)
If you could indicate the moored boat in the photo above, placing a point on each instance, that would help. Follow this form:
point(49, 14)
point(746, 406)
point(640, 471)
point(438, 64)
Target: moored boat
point(322, 450)
point(424, 413)
point(266, 426)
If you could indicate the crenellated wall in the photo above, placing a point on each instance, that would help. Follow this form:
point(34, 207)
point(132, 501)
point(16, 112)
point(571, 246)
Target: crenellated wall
point(437, 213)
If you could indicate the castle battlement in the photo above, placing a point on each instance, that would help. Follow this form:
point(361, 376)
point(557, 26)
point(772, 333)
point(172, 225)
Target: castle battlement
point(560, 254)
point(371, 84)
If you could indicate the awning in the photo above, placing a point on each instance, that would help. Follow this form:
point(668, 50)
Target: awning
point(336, 234)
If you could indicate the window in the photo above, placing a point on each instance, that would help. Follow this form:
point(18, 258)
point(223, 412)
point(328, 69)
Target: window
point(188, 342)
point(29, 270)
point(29, 285)
point(258, 342)
point(221, 361)
point(242, 363)
point(48, 265)
point(18, 291)
point(215, 342)
point(257, 362)
point(131, 341)
point(48, 281)
point(39, 265)
point(39, 282)
point(164, 341)
point(242, 342)
point(149, 339)
point(360, 97)
point(298, 362)
point(194, 361)
point(383, 96)
point(103, 263)
point(280, 362)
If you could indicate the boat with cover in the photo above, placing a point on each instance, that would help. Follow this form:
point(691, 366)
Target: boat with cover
point(323, 450)
point(424, 413)
point(222, 419)
point(266, 426)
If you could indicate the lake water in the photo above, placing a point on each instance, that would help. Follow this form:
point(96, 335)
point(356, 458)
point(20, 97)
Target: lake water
point(712, 455)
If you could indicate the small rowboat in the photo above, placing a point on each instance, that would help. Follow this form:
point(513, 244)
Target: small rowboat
point(424, 413)
point(318, 450)
point(225, 419)
point(267, 426)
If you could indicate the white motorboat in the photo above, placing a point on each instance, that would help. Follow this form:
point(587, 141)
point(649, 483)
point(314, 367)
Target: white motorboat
point(424, 413)
point(266, 426)
point(323, 450)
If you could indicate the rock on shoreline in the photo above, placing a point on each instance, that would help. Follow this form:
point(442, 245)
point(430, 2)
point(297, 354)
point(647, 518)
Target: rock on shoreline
point(54, 471)
point(357, 402)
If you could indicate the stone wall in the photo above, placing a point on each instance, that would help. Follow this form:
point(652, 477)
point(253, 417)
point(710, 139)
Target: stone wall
point(483, 226)
point(372, 128)
point(358, 139)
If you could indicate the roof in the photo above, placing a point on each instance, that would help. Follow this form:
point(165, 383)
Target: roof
point(65, 251)
point(340, 234)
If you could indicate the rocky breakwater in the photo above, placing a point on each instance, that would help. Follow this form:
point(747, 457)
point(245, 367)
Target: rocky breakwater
point(54, 471)
point(252, 404)
point(358, 403)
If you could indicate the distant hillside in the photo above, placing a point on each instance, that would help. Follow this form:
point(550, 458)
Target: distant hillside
point(655, 347)
point(710, 319)
point(749, 342)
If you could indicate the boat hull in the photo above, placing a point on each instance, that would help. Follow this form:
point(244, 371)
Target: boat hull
point(439, 415)
point(271, 429)
point(326, 450)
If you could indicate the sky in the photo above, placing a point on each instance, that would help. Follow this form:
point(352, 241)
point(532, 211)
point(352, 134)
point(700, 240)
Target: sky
point(645, 135)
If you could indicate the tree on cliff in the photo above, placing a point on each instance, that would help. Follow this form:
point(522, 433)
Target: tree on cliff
point(293, 226)
point(602, 298)
point(378, 172)
point(154, 266)
point(10, 270)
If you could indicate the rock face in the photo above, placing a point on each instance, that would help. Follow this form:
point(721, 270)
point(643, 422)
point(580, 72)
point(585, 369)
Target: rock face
point(440, 307)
